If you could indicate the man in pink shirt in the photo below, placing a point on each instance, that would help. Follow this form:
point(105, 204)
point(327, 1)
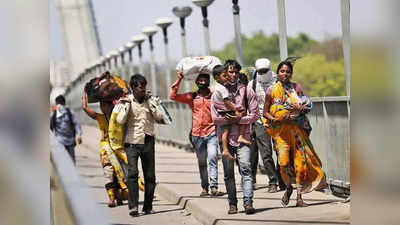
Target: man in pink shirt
point(241, 96)
point(203, 130)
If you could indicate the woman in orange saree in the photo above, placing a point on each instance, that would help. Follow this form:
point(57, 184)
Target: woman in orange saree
point(285, 122)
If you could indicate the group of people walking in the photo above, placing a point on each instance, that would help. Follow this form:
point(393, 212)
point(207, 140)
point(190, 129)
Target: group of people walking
point(238, 119)
point(244, 119)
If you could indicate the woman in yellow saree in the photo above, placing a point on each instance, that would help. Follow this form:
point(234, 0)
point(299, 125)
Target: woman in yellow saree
point(113, 161)
point(285, 121)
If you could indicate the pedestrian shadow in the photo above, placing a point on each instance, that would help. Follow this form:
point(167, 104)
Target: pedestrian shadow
point(170, 171)
point(175, 164)
point(282, 221)
point(97, 187)
point(164, 211)
point(305, 199)
point(178, 183)
point(89, 166)
point(170, 157)
point(125, 203)
point(90, 175)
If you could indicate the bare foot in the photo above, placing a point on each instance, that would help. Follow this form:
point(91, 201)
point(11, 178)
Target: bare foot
point(111, 204)
point(228, 155)
point(243, 140)
point(286, 196)
point(301, 203)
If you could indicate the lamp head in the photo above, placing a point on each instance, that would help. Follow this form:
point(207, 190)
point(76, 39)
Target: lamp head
point(182, 11)
point(129, 45)
point(114, 53)
point(121, 50)
point(149, 31)
point(163, 22)
point(202, 3)
point(138, 39)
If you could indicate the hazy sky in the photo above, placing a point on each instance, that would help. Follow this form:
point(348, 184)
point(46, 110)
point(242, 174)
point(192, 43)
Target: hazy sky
point(119, 20)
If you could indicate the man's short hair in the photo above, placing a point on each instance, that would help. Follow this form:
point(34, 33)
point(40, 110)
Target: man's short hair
point(60, 100)
point(203, 75)
point(217, 70)
point(233, 63)
point(137, 80)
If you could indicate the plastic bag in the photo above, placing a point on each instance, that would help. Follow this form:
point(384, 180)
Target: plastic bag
point(193, 66)
point(156, 105)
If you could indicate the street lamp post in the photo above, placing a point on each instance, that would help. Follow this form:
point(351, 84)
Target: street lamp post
point(121, 52)
point(238, 38)
point(101, 64)
point(114, 54)
point(164, 23)
point(182, 13)
point(204, 4)
point(282, 30)
point(138, 40)
point(129, 47)
point(122, 71)
point(149, 32)
point(108, 61)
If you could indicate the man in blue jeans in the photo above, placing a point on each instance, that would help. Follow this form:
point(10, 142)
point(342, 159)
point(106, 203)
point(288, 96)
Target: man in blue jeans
point(240, 96)
point(203, 131)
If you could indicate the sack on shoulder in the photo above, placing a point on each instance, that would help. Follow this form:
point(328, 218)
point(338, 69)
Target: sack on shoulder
point(159, 109)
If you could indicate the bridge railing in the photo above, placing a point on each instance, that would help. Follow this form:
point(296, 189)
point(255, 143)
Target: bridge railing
point(70, 196)
point(330, 136)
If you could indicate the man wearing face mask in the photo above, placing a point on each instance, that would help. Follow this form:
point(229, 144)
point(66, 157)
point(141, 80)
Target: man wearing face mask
point(263, 78)
point(203, 130)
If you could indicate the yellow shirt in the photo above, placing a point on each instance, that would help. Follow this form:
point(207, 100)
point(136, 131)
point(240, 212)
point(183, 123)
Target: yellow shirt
point(102, 124)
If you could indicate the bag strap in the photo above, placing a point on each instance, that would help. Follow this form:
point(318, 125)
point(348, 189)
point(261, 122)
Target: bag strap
point(69, 114)
point(246, 101)
point(53, 126)
point(194, 95)
point(254, 81)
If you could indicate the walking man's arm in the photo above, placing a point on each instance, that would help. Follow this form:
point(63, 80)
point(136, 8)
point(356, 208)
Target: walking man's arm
point(186, 98)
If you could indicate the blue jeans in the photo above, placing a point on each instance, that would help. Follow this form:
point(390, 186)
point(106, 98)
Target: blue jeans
point(242, 153)
point(206, 150)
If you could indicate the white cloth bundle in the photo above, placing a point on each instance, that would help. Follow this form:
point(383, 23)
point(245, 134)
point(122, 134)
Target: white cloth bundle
point(193, 66)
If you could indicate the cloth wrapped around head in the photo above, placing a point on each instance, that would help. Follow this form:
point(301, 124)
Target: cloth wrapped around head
point(107, 87)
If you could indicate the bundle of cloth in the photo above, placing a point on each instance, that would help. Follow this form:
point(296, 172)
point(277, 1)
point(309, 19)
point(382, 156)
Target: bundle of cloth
point(106, 87)
point(193, 66)
point(280, 110)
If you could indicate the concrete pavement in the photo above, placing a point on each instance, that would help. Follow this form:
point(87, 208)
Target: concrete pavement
point(178, 189)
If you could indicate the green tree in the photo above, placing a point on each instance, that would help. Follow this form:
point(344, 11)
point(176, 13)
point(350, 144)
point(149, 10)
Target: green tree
point(260, 45)
point(320, 77)
point(320, 71)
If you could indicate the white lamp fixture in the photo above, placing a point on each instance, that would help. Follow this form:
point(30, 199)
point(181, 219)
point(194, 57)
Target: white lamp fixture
point(202, 3)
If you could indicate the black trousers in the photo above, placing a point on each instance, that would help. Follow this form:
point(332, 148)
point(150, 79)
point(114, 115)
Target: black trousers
point(146, 153)
point(262, 143)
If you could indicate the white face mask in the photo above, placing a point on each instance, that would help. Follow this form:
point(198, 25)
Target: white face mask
point(266, 77)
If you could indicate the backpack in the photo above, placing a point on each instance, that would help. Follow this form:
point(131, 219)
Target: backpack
point(53, 121)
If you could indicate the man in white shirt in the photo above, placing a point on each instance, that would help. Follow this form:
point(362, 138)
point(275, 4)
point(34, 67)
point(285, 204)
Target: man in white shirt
point(138, 113)
point(264, 78)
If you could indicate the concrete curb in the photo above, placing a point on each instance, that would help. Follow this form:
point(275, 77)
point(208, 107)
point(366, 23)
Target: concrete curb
point(196, 210)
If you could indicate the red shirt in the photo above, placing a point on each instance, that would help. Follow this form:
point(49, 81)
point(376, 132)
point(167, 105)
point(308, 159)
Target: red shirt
point(202, 124)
